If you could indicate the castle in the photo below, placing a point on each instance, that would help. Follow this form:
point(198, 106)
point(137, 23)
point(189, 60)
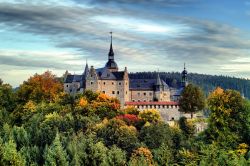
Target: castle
point(140, 93)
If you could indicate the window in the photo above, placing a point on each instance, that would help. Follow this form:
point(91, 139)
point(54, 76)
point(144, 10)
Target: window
point(144, 100)
point(112, 83)
point(144, 94)
point(138, 93)
point(113, 92)
point(118, 92)
point(120, 83)
point(103, 92)
point(91, 75)
point(133, 100)
point(104, 83)
point(139, 100)
point(67, 85)
point(150, 94)
point(91, 82)
point(126, 92)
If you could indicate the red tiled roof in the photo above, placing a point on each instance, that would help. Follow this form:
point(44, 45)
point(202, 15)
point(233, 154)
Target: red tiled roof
point(152, 103)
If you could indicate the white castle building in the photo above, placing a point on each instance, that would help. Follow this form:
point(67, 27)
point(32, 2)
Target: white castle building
point(140, 93)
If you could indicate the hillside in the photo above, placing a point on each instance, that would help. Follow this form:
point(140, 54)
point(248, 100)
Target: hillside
point(207, 82)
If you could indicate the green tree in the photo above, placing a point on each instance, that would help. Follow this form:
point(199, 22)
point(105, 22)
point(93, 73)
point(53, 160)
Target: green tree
point(187, 127)
point(229, 118)
point(163, 155)
point(84, 150)
point(116, 156)
point(55, 154)
point(116, 132)
point(192, 100)
point(7, 97)
point(156, 134)
point(10, 156)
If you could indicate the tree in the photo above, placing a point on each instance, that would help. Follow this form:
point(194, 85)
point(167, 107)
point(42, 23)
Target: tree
point(187, 127)
point(116, 156)
point(116, 132)
point(55, 154)
point(163, 155)
point(10, 155)
point(43, 87)
point(142, 156)
point(150, 115)
point(155, 134)
point(192, 100)
point(7, 97)
point(84, 150)
point(229, 118)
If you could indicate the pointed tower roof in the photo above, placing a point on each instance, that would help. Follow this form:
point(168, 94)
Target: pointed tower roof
point(111, 64)
point(86, 70)
point(111, 52)
point(158, 79)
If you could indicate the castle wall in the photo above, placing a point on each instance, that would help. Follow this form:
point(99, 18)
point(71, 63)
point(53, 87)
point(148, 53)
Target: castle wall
point(71, 87)
point(169, 112)
point(140, 95)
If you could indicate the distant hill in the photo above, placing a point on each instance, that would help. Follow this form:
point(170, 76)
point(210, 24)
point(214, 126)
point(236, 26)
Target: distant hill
point(207, 82)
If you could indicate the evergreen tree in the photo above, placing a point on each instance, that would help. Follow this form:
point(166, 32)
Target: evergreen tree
point(55, 154)
point(192, 100)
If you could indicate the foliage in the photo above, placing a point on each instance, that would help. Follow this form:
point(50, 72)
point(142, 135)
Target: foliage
point(187, 127)
point(156, 134)
point(55, 154)
point(51, 127)
point(192, 100)
point(7, 97)
point(150, 115)
point(43, 87)
point(142, 153)
point(229, 118)
point(129, 119)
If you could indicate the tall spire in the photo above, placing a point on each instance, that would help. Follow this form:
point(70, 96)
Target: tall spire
point(86, 70)
point(111, 64)
point(184, 77)
point(111, 52)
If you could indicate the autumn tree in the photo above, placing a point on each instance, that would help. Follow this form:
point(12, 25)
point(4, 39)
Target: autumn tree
point(192, 100)
point(150, 115)
point(40, 87)
point(229, 118)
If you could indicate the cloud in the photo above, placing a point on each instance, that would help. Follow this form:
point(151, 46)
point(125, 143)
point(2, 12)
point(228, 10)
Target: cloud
point(36, 59)
point(140, 38)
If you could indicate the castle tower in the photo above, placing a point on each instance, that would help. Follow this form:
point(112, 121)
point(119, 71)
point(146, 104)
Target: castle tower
point(158, 88)
point(111, 64)
point(184, 81)
point(86, 70)
point(92, 80)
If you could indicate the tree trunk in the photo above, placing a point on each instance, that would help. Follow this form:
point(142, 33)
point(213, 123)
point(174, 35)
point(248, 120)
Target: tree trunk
point(191, 115)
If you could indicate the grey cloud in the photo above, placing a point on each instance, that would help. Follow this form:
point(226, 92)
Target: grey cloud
point(208, 43)
point(20, 61)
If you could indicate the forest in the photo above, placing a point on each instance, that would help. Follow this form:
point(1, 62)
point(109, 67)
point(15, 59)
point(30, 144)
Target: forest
point(42, 125)
point(207, 82)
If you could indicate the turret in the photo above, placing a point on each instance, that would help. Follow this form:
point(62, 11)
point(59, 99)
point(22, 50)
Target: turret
point(111, 64)
point(184, 81)
point(86, 70)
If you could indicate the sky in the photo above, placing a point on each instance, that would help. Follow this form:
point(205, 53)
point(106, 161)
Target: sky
point(210, 36)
